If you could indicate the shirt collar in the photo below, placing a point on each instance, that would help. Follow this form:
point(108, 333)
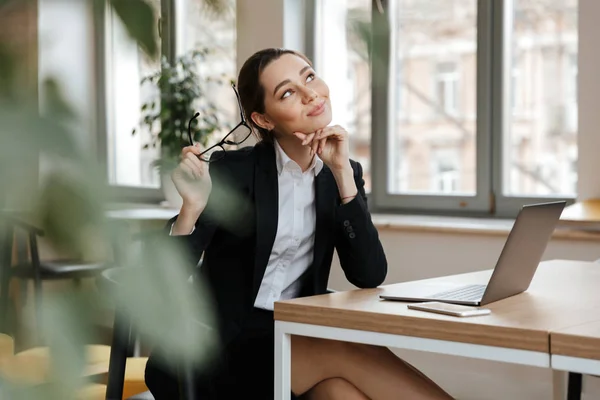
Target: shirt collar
point(282, 160)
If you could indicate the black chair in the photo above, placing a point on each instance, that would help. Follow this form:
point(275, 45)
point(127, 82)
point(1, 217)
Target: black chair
point(122, 339)
point(15, 231)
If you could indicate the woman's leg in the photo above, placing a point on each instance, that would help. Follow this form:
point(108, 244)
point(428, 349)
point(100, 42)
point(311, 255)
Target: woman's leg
point(334, 389)
point(374, 371)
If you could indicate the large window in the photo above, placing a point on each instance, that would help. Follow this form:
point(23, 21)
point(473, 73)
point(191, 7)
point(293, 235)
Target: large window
point(541, 45)
point(474, 103)
point(342, 42)
point(129, 162)
point(433, 59)
point(190, 25)
point(199, 27)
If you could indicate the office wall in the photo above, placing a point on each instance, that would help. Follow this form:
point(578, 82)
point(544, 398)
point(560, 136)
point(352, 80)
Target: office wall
point(418, 255)
point(268, 23)
point(589, 86)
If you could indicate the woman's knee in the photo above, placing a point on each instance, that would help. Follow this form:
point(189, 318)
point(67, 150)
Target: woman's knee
point(335, 389)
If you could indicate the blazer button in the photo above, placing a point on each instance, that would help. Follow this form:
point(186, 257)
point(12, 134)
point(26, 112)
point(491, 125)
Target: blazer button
point(346, 223)
point(352, 235)
point(349, 229)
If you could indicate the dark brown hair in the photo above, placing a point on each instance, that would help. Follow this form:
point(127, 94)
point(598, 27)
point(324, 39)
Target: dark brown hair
point(252, 93)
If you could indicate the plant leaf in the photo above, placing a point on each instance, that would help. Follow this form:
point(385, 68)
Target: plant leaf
point(139, 18)
point(56, 103)
point(8, 64)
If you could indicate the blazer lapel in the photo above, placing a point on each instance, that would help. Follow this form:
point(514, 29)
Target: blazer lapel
point(266, 203)
point(325, 209)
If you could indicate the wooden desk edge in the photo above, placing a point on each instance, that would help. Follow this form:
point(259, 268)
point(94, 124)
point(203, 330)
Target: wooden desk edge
point(582, 212)
point(454, 331)
point(565, 344)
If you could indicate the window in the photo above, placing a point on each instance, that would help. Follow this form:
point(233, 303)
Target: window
point(342, 60)
point(446, 80)
point(516, 100)
point(190, 25)
point(428, 34)
point(445, 171)
point(201, 27)
point(541, 37)
point(571, 93)
point(474, 102)
point(129, 163)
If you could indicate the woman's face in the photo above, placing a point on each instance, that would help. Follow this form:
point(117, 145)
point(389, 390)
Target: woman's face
point(296, 99)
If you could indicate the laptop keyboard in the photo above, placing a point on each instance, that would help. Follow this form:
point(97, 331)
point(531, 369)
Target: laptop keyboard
point(464, 293)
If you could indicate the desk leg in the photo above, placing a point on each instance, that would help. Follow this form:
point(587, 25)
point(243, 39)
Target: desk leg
point(283, 364)
point(574, 386)
point(559, 384)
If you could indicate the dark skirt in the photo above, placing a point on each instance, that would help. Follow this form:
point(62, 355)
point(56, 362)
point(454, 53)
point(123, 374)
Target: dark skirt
point(243, 370)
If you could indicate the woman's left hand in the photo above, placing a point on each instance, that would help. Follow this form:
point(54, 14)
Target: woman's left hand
point(330, 144)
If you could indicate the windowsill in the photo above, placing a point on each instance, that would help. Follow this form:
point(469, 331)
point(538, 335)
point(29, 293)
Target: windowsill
point(140, 212)
point(383, 222)
point(466, 226)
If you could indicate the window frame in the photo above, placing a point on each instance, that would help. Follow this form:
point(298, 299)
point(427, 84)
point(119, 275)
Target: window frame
point(382, 121)
point(502, 20)
point(103, 51)
point(494, 23)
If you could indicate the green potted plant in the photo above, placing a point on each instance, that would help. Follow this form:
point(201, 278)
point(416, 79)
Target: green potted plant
point(181, 92)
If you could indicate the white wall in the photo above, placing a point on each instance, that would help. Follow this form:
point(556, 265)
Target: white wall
point(268, 23)
point(419, 255)
point(589, 87)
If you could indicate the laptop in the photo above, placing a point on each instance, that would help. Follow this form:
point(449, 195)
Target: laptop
point(514, 269)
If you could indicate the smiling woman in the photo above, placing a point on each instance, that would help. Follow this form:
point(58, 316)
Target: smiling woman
point(296, 197)
point(258, 95)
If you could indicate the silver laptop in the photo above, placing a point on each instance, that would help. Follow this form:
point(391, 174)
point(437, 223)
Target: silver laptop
point(514, 270)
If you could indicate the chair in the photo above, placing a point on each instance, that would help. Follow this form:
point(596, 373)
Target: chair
point(16, 234)
point(122, 341)
point(29, 265)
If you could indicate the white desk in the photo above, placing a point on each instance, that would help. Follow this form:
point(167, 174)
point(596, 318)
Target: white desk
point(517, 331)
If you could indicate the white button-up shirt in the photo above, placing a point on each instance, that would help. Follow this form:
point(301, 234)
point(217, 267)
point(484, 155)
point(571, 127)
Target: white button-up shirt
point(292, 252)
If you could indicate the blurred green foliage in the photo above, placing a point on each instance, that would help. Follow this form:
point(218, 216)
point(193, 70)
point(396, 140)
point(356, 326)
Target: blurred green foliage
point(67, 197)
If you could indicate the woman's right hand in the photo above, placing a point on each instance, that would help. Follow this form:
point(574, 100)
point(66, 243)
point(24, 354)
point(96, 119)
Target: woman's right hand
point(192, 179)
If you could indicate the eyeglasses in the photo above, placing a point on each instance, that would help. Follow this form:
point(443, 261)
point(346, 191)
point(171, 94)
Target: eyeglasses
point(237, 135)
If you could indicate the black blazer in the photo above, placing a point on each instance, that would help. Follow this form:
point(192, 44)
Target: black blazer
point(237, 229)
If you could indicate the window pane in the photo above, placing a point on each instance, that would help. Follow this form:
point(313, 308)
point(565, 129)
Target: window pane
point(201, 27)
point(342, 60)
point(541, 151)
point(129, 163)
point(433, 142)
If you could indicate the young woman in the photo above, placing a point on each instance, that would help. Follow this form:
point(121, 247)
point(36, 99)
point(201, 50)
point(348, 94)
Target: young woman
point(267, 219)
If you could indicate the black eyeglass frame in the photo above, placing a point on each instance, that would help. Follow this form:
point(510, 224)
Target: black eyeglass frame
point(223, 141)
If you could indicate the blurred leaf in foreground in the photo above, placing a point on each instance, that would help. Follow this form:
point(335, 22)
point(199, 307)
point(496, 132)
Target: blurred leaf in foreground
point(40, 161)
point(140, 21)
point(157, 293)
